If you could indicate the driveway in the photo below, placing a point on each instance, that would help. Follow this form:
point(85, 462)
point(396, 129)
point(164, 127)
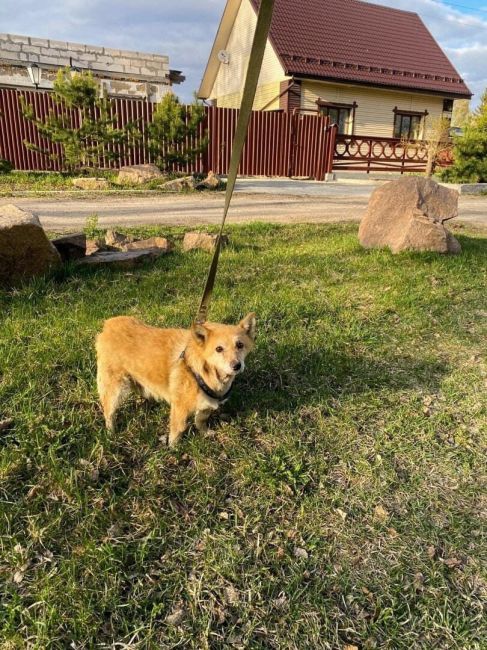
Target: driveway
point(271, 200)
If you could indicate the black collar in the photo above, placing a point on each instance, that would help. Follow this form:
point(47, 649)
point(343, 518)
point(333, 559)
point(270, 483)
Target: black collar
point(203, 385)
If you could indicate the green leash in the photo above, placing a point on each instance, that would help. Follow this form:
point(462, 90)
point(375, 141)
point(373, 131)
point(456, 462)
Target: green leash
point(253, 72)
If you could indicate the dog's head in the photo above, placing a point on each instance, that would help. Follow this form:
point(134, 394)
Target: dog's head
point(224, 347)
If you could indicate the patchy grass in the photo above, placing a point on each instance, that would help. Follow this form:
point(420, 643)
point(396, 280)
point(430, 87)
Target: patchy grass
point(28, 183)
point(342, 500)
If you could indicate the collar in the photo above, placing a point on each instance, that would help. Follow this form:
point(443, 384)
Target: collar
point(203, 385)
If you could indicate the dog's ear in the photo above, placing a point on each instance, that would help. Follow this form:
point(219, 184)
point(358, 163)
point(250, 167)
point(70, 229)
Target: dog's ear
point(200, 333)
point(249, 324)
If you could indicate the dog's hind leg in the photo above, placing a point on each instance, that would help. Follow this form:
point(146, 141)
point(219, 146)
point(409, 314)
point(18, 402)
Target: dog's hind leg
point(112, 388)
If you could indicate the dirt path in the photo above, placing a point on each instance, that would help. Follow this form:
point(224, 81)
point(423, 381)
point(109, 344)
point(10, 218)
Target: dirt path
point(70, 214)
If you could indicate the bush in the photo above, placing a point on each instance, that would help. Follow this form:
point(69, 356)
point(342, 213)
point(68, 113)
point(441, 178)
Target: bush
point(5, 166)
point(96, 137)
point(470, 150)
point(173, 133)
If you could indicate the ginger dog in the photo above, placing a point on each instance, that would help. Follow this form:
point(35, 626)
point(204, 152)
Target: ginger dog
point(193, 370)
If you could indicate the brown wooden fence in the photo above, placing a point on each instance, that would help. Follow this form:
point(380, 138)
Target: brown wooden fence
point(278, 143)
point(364, 153)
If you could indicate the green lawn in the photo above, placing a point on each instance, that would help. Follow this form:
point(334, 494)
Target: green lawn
point(341, 501)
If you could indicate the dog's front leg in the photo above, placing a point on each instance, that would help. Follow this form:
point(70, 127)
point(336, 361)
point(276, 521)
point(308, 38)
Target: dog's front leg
point(201, 420)
point(178, 420)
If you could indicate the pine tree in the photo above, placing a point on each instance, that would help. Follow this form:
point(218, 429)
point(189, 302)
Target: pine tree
point(81, 124)
point(173, 133)
point(470, 150)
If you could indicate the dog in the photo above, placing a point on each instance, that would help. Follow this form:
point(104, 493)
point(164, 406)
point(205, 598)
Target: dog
point(193, 370)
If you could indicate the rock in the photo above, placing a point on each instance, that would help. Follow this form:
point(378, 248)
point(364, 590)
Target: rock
point(71, 247)
point(202, 240)
point(90, 183)
point(211, 182)
point(161, 243)
point(25, 251)
point(120, 260)
point(409, 214)
point(179, 184)
point(116, 239)
point(138, 174)
point(301, 553)
point(95, 246)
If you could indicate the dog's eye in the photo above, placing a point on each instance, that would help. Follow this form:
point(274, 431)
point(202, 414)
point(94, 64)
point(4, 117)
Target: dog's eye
point(239, 345)
point(219, 349)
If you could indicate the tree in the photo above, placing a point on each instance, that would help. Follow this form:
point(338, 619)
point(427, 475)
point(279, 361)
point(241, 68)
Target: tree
point(173, 133)
point(470, 149)
point(437, 144)
point(81, 123)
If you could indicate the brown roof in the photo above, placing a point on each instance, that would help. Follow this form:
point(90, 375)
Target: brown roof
point(359, 42)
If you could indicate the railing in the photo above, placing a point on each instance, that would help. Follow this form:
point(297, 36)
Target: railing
point(364, 153)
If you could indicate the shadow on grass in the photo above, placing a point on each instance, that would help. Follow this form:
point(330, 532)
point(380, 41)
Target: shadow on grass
point(289, 377)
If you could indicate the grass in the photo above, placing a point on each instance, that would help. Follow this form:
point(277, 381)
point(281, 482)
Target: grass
point(341, 501)
point(17, 183)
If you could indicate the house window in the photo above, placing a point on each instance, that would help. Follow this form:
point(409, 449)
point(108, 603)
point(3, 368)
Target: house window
point(341, 114)
point(408, 125)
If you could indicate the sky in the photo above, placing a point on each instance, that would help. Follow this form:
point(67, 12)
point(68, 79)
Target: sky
point(185, 29)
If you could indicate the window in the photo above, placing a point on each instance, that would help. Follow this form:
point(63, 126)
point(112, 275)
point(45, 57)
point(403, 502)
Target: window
point(407, 125)
point(341, 114)
point(447, 105)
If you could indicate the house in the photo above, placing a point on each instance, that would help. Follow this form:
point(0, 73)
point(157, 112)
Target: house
point(27, 62)
point(375, 70)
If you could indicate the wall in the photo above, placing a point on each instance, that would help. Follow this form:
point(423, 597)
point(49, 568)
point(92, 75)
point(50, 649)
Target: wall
point(374, 113)
point(123, 72)
point(227, 89)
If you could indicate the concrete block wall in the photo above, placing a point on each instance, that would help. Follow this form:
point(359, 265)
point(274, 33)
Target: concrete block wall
point(122, 72)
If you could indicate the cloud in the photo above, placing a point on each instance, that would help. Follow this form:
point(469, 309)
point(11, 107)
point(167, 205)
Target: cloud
point(185, 29)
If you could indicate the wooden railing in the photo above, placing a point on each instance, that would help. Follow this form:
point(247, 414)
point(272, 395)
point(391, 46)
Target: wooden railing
point(364, 153)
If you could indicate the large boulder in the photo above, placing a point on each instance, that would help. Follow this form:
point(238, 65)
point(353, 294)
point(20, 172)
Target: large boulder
point(409, 214)
point(138, 174)
point(25, 251)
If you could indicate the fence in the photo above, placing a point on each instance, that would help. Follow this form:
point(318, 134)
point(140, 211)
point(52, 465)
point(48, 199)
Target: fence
point(363, 153)
point(278, 143)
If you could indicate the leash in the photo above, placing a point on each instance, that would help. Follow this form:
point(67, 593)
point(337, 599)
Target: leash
point(250, 87)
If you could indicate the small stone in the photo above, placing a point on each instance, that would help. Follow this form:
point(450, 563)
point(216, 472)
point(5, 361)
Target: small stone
point(211, 182)
point(231, 595)
point(341, 513)
point(381, 513)
point(179, 184)
point(122, 260)
point(71, 247)
point(138, 174)
point(90, 183)
point(301, 553)
point(161, 243)
point(114, 238)
point(348, 646)
point(18, 577)
point(202, 240)
point(175, 617)
point(6, 424)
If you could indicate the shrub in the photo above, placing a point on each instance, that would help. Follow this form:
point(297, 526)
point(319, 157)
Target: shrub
point(5, 166)
point(95, 138)
point(470, 150)
point(173, 133)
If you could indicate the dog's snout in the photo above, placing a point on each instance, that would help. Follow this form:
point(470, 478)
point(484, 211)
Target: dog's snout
point(236, 365)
